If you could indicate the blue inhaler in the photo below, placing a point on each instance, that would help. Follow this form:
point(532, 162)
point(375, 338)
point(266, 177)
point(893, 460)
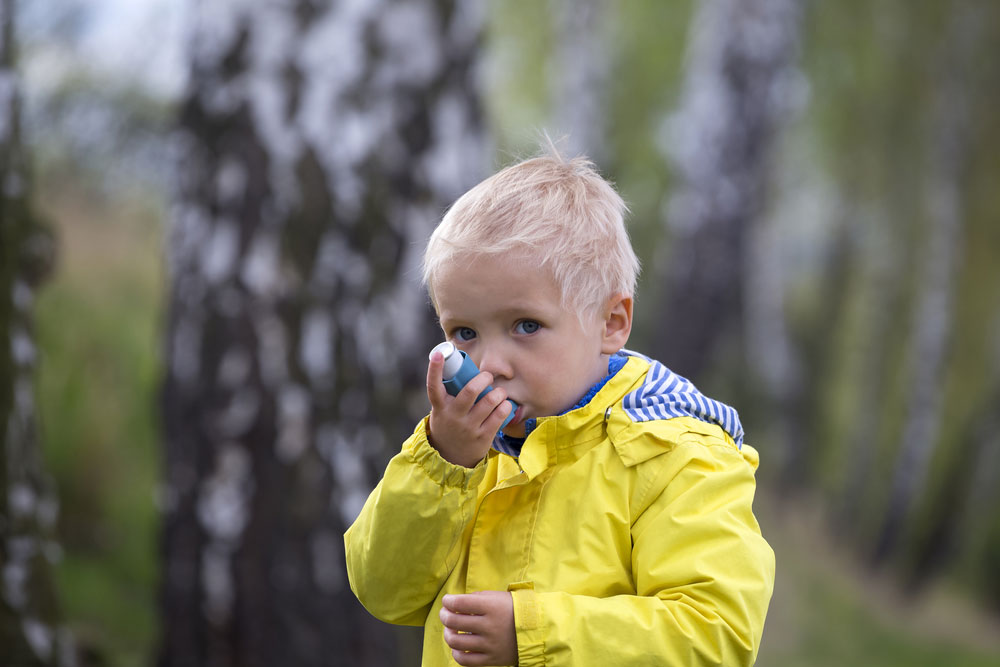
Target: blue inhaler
point(459, 369)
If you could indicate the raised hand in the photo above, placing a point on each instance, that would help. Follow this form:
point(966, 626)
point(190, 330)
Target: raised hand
point(461, 429)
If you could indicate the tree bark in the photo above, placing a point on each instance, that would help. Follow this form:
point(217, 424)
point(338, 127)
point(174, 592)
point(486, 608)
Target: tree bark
point(318, 145)
point(736, 88)
point(30, 630)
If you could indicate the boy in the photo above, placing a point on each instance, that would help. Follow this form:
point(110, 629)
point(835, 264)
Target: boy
point(610, 522)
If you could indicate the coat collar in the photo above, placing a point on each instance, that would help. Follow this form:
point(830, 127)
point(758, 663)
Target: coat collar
point(566, 437)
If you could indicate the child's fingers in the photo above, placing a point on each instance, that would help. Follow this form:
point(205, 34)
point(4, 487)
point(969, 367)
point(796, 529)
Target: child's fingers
point(463, 641)
point(489, 618)
point(488, 406)
point(472, 389)
point(466, 603)
point(476, 604)
point(473, 658)
point(461, 622)
point(435, 383)
point(462, 603)
point(479, 628)
point(497, 414)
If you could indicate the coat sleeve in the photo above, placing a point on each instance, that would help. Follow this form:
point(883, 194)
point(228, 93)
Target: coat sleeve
point(407, 538)
point(703, 577)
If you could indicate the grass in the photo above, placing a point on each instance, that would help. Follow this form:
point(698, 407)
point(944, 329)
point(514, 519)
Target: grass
point(829, 610)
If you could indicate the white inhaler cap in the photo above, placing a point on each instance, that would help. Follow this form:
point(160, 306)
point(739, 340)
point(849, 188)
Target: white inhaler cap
point(452, 359)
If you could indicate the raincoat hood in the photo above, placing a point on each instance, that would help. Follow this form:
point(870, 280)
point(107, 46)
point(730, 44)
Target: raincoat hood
point(666, 395)
point(662, 395)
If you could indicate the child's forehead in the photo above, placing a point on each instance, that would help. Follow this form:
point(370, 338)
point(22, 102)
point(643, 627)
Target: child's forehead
point(495, 285)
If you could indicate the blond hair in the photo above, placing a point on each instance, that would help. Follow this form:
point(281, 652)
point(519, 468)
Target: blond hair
point(557, 212)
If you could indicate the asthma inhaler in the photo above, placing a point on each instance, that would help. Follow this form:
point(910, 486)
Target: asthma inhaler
point(459, 369)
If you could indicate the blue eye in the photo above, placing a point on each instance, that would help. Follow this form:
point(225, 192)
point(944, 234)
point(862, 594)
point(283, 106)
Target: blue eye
point(464, 334)
point(527, 327)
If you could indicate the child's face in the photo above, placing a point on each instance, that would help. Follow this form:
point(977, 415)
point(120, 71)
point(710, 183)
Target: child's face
point(508, 316)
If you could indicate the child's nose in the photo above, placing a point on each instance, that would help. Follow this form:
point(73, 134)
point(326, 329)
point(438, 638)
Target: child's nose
point(494, 361)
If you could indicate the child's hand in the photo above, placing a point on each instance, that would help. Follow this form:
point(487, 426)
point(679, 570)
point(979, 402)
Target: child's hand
point(461, 429)
point(479, 628)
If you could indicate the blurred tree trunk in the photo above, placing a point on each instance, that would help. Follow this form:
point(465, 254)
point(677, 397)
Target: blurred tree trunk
point(954, 522)
point(318, 145)
point(733, 99)
point(580, 79)
point(932, 317)
point(875, 268)
point(30, 633)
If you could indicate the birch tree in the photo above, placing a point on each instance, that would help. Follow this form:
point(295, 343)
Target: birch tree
point(319, 143)
point(580, 71)
point(932, 317)
point(30, 630)
point(733, 99)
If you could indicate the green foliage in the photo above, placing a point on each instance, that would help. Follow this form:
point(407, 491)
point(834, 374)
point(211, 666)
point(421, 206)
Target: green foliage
point(828, 611)
point(98, 326)
point(835, 626)
point(519, 40)
point(650, 41)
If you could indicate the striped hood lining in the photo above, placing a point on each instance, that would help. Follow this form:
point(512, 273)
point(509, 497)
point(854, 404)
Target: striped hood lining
point(666, 395)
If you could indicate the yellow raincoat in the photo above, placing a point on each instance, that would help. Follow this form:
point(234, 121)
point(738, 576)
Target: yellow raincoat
point(622, 542)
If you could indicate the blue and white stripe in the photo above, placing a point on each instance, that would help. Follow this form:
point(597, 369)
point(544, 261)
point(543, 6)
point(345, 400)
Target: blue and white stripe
point(666, 395)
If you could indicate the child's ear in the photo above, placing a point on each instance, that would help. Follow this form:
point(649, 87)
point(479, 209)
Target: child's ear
point(617, 323)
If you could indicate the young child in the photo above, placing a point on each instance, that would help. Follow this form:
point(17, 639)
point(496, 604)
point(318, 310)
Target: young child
point(610, 522)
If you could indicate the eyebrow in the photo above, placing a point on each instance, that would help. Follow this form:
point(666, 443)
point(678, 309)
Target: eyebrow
point(520, 310)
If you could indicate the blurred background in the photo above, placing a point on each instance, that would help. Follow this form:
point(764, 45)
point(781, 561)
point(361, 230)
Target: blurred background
point(212, 216)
